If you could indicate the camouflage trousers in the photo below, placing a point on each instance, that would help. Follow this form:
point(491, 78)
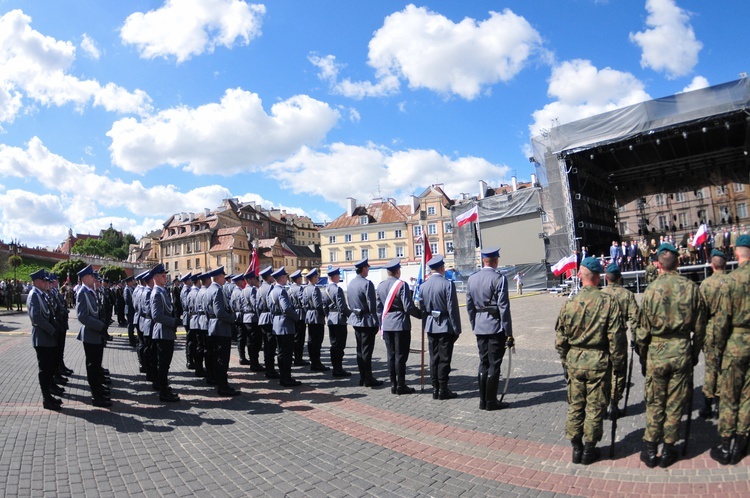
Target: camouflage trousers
point(588, 397)
point(734, 408)
point(619, 380)
point(666, 393)
point(713, 371)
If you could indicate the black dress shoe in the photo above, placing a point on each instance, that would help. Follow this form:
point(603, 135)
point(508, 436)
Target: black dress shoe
point(169, 397)
point(52, 404)
point(105, 371)
point(142, 369)
point(199, 372)
point(101, 402)
point(66, 371)
point(244, 361)
point(301, 363)
point(319, 368)
point(494, 405)
point(341, 373)
point(106, 380)
point(447, 394)
point(56, 390)
point(59, 379)
point(290, 383)
point(404, 390)
point(189, 366)
point(228, 391)
point(257, 367)
point(212, 382)
point(273, 374)
point(373, 383)
point(394, 390)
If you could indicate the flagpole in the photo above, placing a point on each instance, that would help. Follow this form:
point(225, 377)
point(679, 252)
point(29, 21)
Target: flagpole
point(422, 271)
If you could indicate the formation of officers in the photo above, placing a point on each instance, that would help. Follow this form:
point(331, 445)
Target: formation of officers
point(676, 321)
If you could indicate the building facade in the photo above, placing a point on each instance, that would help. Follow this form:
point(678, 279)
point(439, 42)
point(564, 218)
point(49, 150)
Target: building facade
point(431, 215)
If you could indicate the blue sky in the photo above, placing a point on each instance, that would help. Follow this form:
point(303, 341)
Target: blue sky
point(126, 112)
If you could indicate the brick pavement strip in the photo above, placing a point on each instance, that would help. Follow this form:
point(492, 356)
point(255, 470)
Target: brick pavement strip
point(328, 437)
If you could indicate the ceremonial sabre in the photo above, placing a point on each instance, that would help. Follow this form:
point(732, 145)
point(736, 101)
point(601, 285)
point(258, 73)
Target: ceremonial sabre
point(511, 352)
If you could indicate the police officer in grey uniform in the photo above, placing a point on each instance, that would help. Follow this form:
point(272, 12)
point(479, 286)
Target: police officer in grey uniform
point(442, 322)
point(149, 355)
point(44, 338)
point(336, 317)
point(127, 296)
point(295, 294)
point(187, 285)
point(250, 320)
point(93, 333)
point(364, 319)
point(312, 301)
point(163, 333)
point(265, 322)
point(137, 321)
point(193, 307)
point(220, 322)
point(488, 306)
point(395, 305)
point(203, 360)
point(284, 315)
point(60, 315)
point(239, 308)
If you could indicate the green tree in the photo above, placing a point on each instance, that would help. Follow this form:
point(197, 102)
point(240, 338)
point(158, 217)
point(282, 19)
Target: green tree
point(112, 273)
point(112, 244)
point(15, 261)
point(69, 268)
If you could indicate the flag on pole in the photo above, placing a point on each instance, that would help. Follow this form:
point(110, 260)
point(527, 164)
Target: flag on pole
point(700, 236)
point(254, 263)
point(469, 216)
point(426, 256)
point(565, 264)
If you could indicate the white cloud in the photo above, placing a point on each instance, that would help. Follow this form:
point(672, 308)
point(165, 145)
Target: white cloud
point(36, 66)
point(186, 28)
point(669, 44)
point(697, 83)
point(430, 51)
point(228, 137)
point(582, 90)
point(89, 47)
point(371, 170)
point(314, 215)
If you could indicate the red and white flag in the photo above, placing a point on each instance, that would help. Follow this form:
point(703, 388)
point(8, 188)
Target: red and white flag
point(700, 235)
point(469, 216)
point(254, 263)
point(566, 264)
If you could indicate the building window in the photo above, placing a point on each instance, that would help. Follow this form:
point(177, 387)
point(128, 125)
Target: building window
point(197, 245)
point(742, 210)
point(432, 229)
point(348, 255)
point(363, 236)
point(381, 235)
point(739, 187)
point(679, 197)
point(683, 220)
point(166, 249)
point(418, 250)
point(197, 262)
point(188, 247)
point(332, 239)
point(189, 266)
point(659, 199)
point(218, 260)
point(721, 190)
point(364, 253)
point(176, 248)
point(624, 228)
point(434, 248)
point(348, 237)
point(663, 224)
point(363, 220)
point(382, 253)
point(399, 251)
point(398, 234)
point(166, 265)
point(448, 227)
point(417, 230)
point(699, 194)
point(176, 266)
point(724, 213)
point(702, 215)
point(448, 247)
point(545, 218)
point(430, 210)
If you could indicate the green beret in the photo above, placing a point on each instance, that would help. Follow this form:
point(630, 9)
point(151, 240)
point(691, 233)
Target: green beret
point(667, 247)
point(716, 252)
point(614, 269)
point(743, 241)
point(592, 264)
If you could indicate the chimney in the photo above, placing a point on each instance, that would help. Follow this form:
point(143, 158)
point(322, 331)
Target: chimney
point(533, 180)
point(377, 200)
point(191, 216)
point(207, 212)
point(184, 216)
point(351, 205)
point(482, 189)
point(414, 204)
point(514, 183)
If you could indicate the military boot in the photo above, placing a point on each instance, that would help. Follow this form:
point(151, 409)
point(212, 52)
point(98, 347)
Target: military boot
point(740, 447)
point(707, 409)
point(445, 392)
point(668, 455)
point(435, 390)
point(394, 385)
point(590, 453)
point(482, 379)
point(721, 453)
point(491, 394)
point(577, 443)
point(648, 455)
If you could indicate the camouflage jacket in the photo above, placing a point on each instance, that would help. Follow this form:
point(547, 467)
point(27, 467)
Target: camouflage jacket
point(671, 310)
point(738, 342)
point(589, 332)
point(651, 273)
point(715, 293)
point(628, 306)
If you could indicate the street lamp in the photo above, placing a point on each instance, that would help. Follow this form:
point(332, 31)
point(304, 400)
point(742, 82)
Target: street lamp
point(15, 250)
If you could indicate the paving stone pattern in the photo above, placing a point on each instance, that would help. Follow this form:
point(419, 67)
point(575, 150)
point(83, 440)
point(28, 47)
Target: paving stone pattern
point(329, 437)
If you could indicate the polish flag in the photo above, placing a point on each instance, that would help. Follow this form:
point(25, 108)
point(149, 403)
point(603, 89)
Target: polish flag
point(700, 236)
point(254, 263)
point(469, 216)
point(566, 264)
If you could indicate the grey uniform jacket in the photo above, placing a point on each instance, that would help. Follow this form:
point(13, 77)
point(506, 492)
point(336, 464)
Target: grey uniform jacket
point(220, 316)
point(250, 301)
point(295, 294)
point(338, 311)
point(164, 324)
point(43, 333)
point(127, 295)
point(200, 302)
point(312, 300)
point(91, 331)
point(62, 309)
point(145, 311)
point(236, 302)
point(261, 305)
point(137, 305)
point(192, 307)
point(362, 303)
point(184, 293)
point(439, 304)
point(398, 316)
point(487, 303)
point(282, 310)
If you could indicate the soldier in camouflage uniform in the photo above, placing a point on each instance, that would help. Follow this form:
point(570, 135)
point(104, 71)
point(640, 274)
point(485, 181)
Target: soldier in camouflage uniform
point(629, 310)
point(651, 273)
point(716, 296)
point(671, 328)
point(589, 341)
point(734, 409)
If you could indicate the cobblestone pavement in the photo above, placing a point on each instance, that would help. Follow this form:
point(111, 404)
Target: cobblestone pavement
point(328, 437)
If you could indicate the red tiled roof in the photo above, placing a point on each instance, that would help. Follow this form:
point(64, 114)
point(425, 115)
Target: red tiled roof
point(383, 212)
point(223, 239)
